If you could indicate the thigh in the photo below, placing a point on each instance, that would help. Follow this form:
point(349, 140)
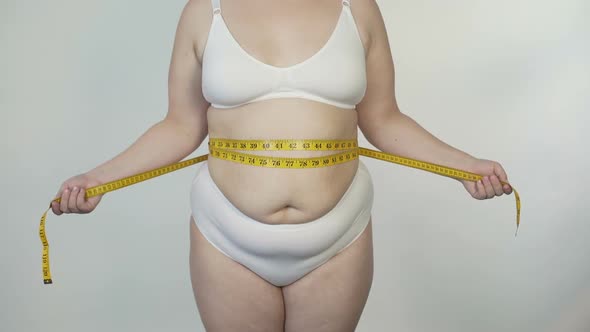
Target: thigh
point(332, 297)
point(230, 297)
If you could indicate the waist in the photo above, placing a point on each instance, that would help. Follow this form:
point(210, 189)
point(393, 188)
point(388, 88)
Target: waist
point(235, 151)
point(276, 195)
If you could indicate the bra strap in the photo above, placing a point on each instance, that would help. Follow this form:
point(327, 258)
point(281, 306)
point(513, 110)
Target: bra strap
point(216, 4)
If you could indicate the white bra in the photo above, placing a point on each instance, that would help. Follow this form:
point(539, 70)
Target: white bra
point(334, 75)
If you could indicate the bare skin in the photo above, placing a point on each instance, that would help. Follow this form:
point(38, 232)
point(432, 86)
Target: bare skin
point(279, 33)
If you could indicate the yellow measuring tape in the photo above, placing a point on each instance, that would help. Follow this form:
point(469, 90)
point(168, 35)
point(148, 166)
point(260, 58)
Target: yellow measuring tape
point(222, 149)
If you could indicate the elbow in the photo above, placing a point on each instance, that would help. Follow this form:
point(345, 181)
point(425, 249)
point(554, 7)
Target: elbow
point(191, 129)
point(368, 128)
point(377, 128)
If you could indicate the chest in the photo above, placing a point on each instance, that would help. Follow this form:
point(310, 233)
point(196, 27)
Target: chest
point(280, 33)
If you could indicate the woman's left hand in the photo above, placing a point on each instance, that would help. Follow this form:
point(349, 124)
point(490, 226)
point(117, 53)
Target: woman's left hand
point(489, 186)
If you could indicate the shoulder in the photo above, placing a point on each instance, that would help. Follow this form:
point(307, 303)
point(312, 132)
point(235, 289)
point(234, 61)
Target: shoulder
point(197, 14)
point(369, 20)
point(195, 6)
point(195, 21)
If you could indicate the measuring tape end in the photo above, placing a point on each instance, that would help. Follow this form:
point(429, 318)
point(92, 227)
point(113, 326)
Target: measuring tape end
point(47, 281)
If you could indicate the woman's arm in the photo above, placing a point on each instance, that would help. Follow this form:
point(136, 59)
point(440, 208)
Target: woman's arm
point(185, 126)
point(182, 130)
point(391, 131)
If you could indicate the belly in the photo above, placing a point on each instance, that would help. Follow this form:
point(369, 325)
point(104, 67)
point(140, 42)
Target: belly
point(283, 196)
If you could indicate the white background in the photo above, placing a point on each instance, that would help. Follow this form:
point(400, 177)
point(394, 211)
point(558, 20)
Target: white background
point(506, 80)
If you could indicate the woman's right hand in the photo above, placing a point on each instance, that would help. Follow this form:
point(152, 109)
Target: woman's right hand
point(72, 193)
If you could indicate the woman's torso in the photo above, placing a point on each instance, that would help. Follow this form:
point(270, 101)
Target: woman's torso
point(280, 34)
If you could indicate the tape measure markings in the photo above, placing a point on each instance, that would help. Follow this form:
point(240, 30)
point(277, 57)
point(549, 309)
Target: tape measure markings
point(283, 144)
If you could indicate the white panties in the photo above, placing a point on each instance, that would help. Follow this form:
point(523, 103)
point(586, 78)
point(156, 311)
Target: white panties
point(281, 254)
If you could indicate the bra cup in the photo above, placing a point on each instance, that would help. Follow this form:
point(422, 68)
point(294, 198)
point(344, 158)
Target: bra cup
point(229, 77)
point(339, 75)
point(229, 80)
